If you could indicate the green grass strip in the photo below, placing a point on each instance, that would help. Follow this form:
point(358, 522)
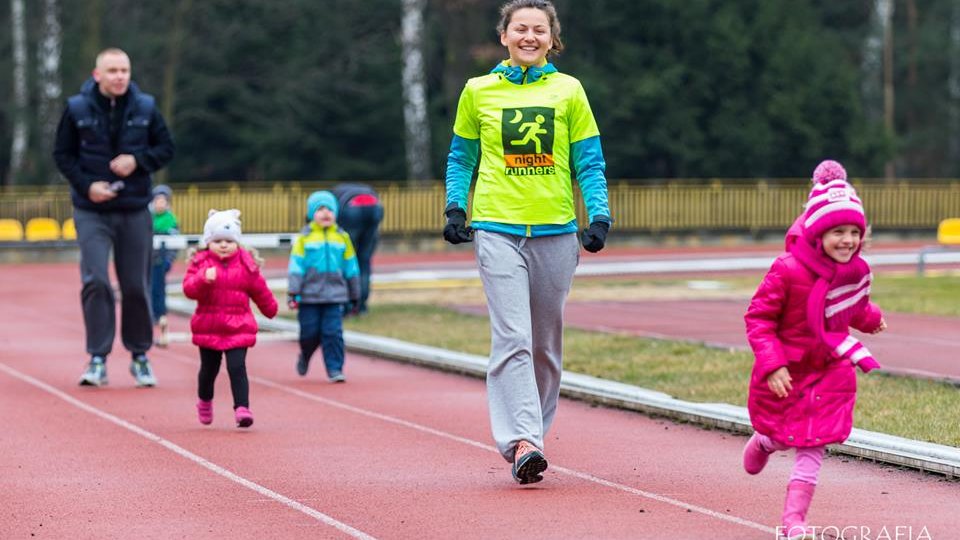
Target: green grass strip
point(927, 295)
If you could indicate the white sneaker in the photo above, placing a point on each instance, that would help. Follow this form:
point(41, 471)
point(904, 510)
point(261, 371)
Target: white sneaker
point(142, 372)
point(96, 373)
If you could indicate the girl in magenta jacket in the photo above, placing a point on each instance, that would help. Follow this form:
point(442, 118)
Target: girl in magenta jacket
point(803, 387)
point(222, 279)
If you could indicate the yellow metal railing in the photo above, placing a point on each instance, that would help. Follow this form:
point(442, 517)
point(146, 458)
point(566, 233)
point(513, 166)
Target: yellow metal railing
point(643, 208)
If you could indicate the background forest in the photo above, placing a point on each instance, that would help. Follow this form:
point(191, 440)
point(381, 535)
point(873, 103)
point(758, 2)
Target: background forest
point(366, 89)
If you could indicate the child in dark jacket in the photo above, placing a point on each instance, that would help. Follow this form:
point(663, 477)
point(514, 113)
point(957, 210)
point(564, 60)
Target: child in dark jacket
point(324, 277)
point(222, 278)
point(803, 387)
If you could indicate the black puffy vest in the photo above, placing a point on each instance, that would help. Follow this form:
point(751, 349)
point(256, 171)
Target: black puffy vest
point(96, 150)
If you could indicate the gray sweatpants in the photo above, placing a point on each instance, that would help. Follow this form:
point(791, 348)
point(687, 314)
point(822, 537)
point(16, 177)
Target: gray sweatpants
point(130, 236)
point(526, 281)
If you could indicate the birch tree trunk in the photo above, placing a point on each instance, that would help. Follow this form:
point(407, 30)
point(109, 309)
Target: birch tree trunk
point(953, 91)
point(915, 160)
point(872, 65)
point(877, 69)
point(174, 39)
point(885, 8)
point(415, 92)
point(21, 130)
point(461, 38)
point(48, 76)
point(91, 44)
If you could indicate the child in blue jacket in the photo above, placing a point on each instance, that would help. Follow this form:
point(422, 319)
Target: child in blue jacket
point(324, 277)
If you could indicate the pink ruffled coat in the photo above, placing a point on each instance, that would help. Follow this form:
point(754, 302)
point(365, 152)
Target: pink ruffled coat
point(223, 319)
point(819, 409)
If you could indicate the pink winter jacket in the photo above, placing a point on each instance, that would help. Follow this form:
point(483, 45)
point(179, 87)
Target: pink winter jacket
point(223, 319)
point(819, 409)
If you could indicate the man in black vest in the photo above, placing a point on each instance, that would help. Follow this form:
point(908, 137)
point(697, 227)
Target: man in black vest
point(360, 215)
point(110, 139)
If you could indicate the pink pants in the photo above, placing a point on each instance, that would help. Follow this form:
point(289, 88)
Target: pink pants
point(806, 468)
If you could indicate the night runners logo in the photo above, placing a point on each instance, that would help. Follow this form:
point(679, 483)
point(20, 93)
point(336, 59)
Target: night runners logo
point(528, 141)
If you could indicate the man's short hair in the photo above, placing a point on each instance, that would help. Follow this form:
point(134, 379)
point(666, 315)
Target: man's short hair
point(109, 50)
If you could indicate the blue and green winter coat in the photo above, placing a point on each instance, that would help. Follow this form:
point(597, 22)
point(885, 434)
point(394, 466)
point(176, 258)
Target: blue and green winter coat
point(323, 265)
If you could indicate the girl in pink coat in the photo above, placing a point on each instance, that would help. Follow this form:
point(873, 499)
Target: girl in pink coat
point(803, 387)
point(222, 279)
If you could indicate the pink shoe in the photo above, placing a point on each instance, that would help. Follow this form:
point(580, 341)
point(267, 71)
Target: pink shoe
point(799, 495)
point(754, 456)
point(205, 412)
point(243, 416)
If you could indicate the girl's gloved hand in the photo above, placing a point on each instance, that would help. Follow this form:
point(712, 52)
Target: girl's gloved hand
point(867, 365)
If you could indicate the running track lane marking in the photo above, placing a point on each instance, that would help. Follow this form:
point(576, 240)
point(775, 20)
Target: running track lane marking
point(471, 442)
point(183, 452)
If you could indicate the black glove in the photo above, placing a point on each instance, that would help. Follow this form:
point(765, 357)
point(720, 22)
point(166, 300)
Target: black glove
point(594, 236)
point(456, 230)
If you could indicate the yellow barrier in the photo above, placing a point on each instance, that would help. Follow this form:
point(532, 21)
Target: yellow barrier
point(69, 229)
point(42, 230)
point(948, 232)
point(675, 206)
point(10, 230)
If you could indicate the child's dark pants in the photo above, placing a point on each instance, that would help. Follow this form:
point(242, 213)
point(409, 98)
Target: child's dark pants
point(236, 368)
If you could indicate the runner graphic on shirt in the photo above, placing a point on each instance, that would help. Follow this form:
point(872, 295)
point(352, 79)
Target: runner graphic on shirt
point(527, 136)
point(533, 129)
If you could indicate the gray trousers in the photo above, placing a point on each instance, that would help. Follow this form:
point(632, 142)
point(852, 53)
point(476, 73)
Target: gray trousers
point(129, 234)
point(526, 281)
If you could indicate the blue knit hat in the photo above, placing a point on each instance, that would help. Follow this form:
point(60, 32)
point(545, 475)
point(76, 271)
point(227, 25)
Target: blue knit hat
point(318, 199)
point(164, 190)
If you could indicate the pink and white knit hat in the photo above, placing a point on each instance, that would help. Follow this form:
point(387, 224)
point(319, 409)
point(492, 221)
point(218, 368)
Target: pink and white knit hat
point(832, 202)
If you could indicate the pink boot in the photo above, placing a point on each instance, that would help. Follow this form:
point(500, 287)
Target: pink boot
point(205, 412)
point(799, 495)
point(754, 456)
point(243, 416)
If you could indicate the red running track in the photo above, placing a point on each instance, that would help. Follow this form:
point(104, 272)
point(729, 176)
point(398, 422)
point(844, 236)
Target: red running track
point(397, 452)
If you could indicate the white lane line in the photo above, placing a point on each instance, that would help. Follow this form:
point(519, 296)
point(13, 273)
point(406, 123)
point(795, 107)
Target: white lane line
point(183, 452)
point(471, 442)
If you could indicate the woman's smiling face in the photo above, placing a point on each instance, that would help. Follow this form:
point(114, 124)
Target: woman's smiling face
point(527, 37)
